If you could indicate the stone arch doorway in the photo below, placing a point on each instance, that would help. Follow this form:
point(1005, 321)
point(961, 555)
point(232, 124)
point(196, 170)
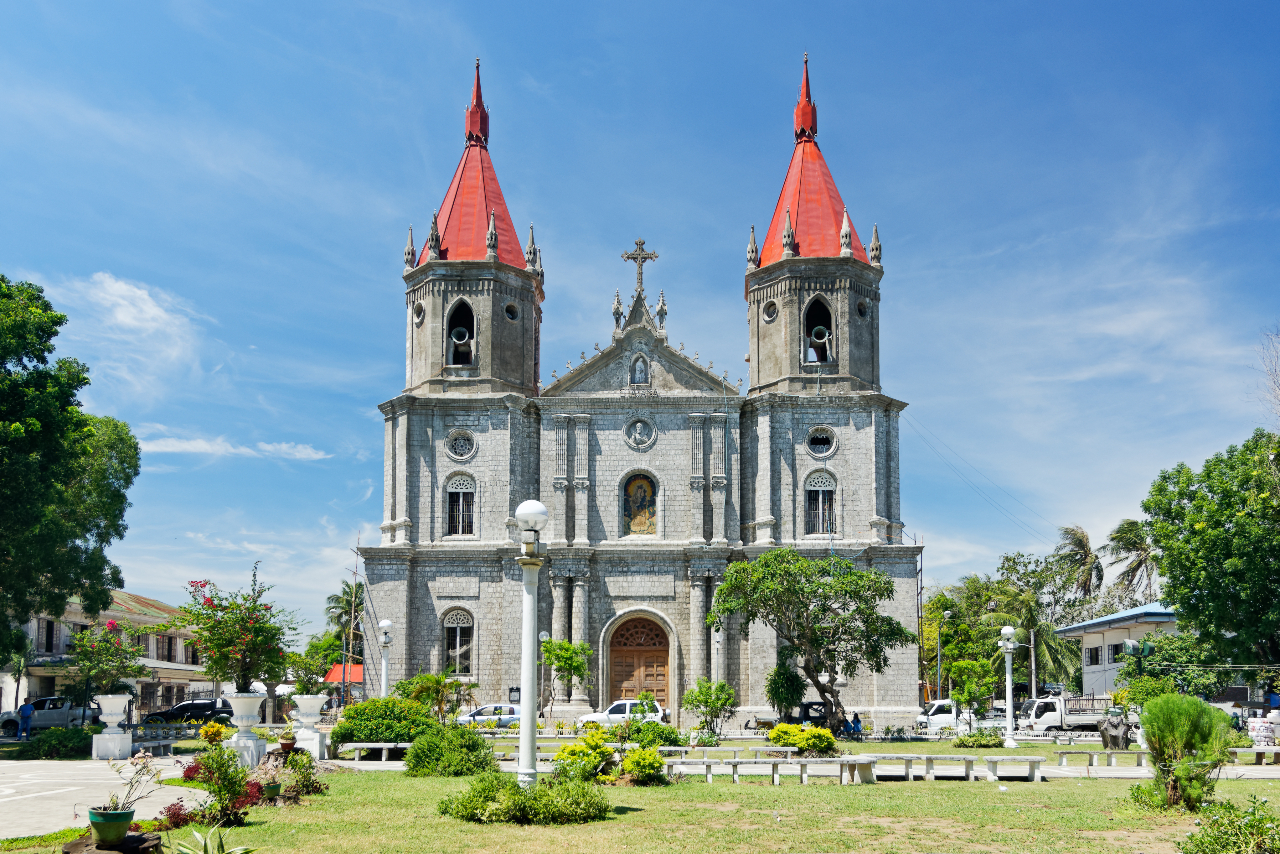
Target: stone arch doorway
point(639, 658)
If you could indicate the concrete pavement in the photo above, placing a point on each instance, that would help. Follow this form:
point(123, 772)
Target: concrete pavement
point(41, 796)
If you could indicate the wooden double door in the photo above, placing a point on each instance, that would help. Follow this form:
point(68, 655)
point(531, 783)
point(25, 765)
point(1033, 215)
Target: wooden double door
point(639, 657)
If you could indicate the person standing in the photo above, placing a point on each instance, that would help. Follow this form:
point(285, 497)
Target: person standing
point(25, 711)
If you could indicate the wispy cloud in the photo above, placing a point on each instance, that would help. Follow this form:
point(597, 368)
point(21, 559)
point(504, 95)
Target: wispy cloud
point(220, 447)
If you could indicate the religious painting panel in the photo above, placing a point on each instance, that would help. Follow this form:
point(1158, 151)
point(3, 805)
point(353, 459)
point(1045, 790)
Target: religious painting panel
point(639, 496)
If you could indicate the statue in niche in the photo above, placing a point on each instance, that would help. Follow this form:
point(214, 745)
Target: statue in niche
point(640, 372)
point(641, 510)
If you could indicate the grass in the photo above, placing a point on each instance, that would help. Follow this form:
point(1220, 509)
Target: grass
point(56, 839)
point(381, 811)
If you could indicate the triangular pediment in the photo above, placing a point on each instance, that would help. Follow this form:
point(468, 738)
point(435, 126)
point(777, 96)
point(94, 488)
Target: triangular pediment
point(639, 362)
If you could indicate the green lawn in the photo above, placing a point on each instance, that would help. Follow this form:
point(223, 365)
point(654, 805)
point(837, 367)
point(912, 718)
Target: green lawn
point(388, 812)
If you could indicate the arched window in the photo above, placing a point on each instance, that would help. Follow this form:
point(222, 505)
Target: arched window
point(459, 636)
point(641, 506)
point(817, 332)
point(819, 503)
point(461, 489)
point(462, 335)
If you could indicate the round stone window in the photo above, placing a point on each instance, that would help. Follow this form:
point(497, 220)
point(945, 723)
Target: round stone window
point(512, 311)
point(862, 309)
point(419, 313)
point(821, 442)
point(460, 444)
point(770, 311)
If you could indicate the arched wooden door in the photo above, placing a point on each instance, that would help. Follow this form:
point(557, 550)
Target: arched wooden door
point(638, 656)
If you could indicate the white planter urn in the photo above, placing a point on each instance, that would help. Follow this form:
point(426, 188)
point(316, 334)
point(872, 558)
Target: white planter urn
point(307, 711)
point(114, 708)
point(244, 713)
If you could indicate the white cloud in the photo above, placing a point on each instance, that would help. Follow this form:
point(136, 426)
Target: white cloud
point(220, 447)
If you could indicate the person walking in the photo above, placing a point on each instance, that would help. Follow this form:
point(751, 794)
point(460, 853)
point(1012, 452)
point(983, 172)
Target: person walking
point(25, 711)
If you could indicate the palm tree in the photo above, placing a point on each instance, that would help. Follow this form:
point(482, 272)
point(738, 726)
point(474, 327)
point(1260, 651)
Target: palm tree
point(1130, 545)
point(439, 692)
point(342, 603)
point(20, 660)
point(1076, 552)
point(1056, 658)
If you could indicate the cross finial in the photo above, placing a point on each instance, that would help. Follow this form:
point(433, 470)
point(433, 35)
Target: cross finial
point(639, 256)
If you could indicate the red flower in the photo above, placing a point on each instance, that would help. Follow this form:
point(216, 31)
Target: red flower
point(112, 625)
point(208, 601)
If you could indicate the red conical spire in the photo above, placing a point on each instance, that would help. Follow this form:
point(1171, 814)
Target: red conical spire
point(806, 110)
point(474, 198)
point(477, 114)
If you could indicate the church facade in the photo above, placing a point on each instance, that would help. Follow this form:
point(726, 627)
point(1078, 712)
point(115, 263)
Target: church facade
point(657, 472)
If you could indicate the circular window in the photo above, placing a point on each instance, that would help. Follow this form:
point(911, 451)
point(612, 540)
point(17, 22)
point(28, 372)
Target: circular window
point(461, 444)
point(419, 313)
point(770, 310)
point(862, 309)
point(513, 313)
point(821, 441)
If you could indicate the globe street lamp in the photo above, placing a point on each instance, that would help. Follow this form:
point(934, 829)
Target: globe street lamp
point(532, 517)
point(1008, 644)
point(385, 646)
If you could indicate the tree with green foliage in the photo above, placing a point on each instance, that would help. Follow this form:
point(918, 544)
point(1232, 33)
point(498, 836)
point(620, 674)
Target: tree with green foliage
point(713, 703)
point(104, 656)
point(568, 661)
point(1076, 552)
point(974, 682)
point(1056, 658)
point(1050, 578)
point(240, 636)
point(308, 673)
point(325, 647)
point(1217, 532)
point(1187, 659)
point(826, 611)
point(1139, 690)
point(784, 688)
point(1129, 545)
point(439, 692)
point(64, 474)
point(348, 604)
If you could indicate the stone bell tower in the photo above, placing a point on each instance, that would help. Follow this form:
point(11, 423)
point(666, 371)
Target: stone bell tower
point(473, 296)
point(813, 293)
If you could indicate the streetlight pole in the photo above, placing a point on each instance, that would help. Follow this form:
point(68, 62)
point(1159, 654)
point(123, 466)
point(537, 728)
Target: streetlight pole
point(946, 615)
point(385, 645)
point(342, 698)
point(543, 637)
point(1008, 644)
point(532, 517)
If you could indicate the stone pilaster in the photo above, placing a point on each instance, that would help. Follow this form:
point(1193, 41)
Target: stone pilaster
point(388, 526)
point(581, 478)
point(580, 623)
point(697, 627)
point(560, 484)
point(559, 625)
point(697, 480)
point(719, 479)
point(764, 521)
point(403, 523)
point(718, 640)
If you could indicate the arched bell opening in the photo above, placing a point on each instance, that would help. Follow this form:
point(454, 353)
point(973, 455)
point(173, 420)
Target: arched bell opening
point(462, 335)
point(818, 332)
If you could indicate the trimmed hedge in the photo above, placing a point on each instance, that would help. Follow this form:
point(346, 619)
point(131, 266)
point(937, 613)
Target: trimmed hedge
point(451, 751)
point(497, 798)
point(385, 719)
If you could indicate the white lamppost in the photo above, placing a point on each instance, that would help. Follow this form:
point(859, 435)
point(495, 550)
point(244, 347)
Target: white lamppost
point(385, 645)
point(946, 615)
point(1008, 644)
point(532, 517)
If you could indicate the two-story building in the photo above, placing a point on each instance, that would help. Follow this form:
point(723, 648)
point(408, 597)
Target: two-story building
point(1102, 641)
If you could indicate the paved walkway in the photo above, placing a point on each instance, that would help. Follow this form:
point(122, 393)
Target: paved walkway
point(41, 796)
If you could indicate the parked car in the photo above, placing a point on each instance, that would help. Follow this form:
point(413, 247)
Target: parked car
point(51, 712)
point(624, 709)
point(1060, 713)
point(193, 710)
point(492, 715)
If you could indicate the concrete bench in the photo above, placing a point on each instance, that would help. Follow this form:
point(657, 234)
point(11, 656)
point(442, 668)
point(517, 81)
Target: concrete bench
point(162, 748)
point(385, 746)
point(1258, 753)
point(930, 759)
point(856, 769)
point(1112, 756)
point(705, 763)
point(907, 760)
point(1033, 766)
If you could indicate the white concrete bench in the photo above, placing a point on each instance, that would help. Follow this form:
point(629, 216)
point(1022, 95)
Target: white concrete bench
point(385, 746)
point(907, 760)
point(930, 759)
point(1033, 766)
point(856, 769)
point(704, 763)
point(1112, 756)
point(1258, 753)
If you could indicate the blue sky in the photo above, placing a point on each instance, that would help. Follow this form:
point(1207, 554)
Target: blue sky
point(1078, 205)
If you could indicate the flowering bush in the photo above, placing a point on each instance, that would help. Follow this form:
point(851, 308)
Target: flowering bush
point(105, 655)
point(240, 637)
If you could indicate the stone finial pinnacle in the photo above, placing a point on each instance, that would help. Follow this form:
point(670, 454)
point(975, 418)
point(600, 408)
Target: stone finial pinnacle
point(846, 237)
point(662, 310)
point(491, 239)
point(433, 238)
point(409, 254)
point(789, 238)
point(542, 274)
point(874, 252)
point(617, 309)
point(806, 117)
point(477, 113)
point(531, 253)
point(753, 252)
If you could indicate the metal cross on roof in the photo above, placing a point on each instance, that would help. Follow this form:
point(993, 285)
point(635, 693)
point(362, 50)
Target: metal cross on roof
point(639, 256)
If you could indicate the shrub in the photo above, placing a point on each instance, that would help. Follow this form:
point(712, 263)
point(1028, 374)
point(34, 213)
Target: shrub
point(1187, 738)
point(495, 797)
point(713, 703)
point(227, 783)
point(647, 734)
point(190, 770)
point(176, 815)
point(982, 738)
point(386, 719)
point(1224, 829)
point(785, 735)
point(585, 761)
point(59, 743)
point(645, 767)
point(703, 738)
point(451, 751)
point(302, 778)
point(816, 741)
point(215, 733)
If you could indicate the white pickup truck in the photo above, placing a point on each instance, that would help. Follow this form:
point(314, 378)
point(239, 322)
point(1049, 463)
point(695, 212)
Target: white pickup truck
point(1050, 714)
point(941, 714)
point(50, 712)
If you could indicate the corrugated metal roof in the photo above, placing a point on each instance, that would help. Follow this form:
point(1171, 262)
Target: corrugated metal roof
point(355, 673)
point(1152, 612)
point(132, 603)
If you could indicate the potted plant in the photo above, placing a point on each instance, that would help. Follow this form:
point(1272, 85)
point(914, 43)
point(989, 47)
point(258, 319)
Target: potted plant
point(109, 823)
point(288, 738)
point(271, 782)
